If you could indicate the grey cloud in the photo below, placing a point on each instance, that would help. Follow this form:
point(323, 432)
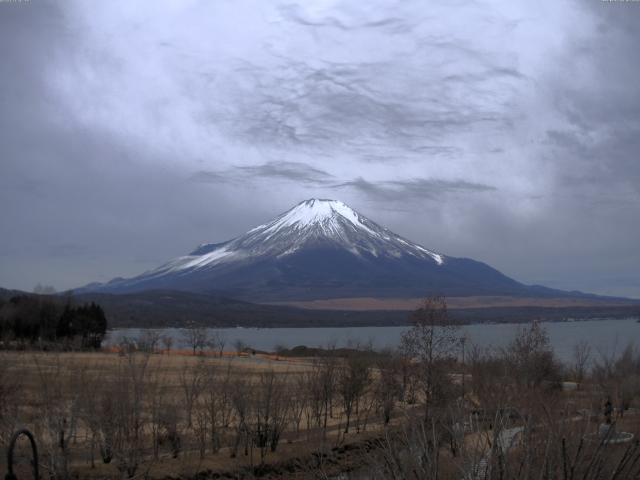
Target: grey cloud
point(335, 106)
point(491, 73)
point(328, 105)
point(294, 171)
point(290, 171)
point(604, 114)
point(390, 24)
point(412, 189)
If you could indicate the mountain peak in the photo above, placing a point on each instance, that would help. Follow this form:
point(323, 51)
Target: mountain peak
point(317, 211)
point(312, 223)
point(308, 240)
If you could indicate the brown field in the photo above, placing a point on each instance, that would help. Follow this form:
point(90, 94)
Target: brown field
point(58, 390)
point(407, 304)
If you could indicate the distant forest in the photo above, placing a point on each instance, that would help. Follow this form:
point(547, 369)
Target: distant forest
point(29, 320)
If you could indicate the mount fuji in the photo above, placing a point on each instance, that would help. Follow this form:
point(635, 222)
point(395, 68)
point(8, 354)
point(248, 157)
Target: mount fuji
point(322, 249)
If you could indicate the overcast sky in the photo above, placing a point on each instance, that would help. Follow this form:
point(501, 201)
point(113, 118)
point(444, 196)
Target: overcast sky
point(505, 131)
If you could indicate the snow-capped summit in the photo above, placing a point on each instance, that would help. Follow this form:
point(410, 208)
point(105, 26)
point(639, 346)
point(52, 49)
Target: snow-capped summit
point(326, 214)
point(330, 222)
point(315, 211)
point(312, 223)
point(319, 249)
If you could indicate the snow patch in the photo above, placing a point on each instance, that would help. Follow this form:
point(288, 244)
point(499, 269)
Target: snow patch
point(437, 257)
point(207, 258)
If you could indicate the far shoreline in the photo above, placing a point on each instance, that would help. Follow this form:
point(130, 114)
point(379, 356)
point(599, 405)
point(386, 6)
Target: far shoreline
point(407, 324)
point(397, 318)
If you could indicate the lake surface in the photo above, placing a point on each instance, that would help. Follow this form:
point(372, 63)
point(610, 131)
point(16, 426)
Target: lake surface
point(606, 337)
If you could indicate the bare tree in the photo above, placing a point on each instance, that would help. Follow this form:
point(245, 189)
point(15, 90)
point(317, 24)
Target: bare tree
point(490, 381)
point(157, 394)
point(387, 387)
point(531, 357)
point(241, 404)
point(167, 342)
point(59, 401)
point(619, 376)
point(299, 401)
point(170, 421)
point(11, 388)
point(217, 403)
point(269, 410)
point(201, 428)
point(196, 337)
point(106, 421)
point(581, 359)
point(239, 346)
point(407, 452)
point(430, 342)
point(149, 341)
point(353, 378)
point(217, 342)
point(89, 411)
point(191, 384)
point(125, 413)
point(322, 387)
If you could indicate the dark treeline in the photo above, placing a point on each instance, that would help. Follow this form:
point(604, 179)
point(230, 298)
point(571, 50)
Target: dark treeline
point(48, 321)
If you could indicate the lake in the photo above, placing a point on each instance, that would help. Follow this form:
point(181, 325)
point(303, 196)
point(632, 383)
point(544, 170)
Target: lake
point(606, 336)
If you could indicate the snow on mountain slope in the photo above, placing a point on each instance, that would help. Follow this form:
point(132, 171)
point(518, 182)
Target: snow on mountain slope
point(311, 221)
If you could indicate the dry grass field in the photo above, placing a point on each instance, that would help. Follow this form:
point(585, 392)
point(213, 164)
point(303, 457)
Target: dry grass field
point(158, 412)
point(410, 304)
